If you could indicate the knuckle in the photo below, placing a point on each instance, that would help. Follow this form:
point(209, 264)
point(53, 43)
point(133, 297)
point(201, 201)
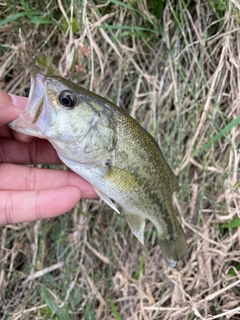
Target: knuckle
point(8, 208)
point(30, 179)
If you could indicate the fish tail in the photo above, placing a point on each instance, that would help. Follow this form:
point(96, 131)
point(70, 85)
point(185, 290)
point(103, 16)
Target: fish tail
point(174, 248)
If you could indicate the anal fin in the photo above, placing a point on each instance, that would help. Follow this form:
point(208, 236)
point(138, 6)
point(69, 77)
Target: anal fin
point(137, 225)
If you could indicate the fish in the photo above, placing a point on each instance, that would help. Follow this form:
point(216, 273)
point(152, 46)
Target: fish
point(107, 147)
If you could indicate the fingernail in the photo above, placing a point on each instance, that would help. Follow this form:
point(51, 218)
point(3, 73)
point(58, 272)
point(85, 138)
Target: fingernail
point(17, 101)
point(14, 99)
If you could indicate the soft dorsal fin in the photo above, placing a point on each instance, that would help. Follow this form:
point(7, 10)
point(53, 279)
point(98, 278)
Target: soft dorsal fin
point(106, 199)
point(137, 225)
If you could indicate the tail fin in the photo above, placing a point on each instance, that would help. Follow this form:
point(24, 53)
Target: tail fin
point(174, 249)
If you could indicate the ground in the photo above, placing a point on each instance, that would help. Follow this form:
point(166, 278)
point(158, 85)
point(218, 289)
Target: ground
point(174, 67)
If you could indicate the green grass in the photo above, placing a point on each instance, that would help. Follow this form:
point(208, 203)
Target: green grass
point(234, 223)
point(174, 67)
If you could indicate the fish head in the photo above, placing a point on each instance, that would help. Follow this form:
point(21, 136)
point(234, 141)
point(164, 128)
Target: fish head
point(73, 119)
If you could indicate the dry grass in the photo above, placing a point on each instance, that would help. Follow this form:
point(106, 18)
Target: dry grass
point(179, 77)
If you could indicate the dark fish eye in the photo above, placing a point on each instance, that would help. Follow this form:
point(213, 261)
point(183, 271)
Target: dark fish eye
point(67, 98)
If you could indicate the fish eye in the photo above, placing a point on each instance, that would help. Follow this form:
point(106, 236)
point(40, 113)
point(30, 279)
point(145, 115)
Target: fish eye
point(67, 98)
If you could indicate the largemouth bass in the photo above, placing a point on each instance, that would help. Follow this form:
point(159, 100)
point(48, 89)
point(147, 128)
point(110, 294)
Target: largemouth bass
point(108, 148)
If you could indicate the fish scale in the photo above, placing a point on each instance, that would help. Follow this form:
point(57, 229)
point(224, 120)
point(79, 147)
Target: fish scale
point(103, 144)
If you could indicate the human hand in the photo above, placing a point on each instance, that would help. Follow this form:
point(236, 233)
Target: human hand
point(28, 193)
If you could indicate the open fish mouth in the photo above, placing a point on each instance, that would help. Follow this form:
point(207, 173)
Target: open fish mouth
point(34, 105)
point(28, 120)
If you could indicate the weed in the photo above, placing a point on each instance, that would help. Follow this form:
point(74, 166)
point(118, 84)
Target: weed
point(174, 66)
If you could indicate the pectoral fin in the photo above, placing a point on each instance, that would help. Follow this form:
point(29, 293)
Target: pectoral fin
point(137, 225)
point(106, 199)
point(125, 180)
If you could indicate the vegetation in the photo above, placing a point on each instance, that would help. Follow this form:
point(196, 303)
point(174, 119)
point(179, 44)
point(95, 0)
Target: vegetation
point(174, 66)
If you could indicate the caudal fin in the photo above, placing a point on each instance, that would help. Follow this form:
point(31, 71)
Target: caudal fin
point(175, 249)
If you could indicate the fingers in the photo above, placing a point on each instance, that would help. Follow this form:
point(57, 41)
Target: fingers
point(18, 101)
point(22, 137)
point(8, 110)
point(19, 206)
point(18, 178)
point(35, 152)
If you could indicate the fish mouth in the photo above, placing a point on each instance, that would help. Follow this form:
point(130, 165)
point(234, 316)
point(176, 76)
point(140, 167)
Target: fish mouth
point(27, 121)
point(34, 105)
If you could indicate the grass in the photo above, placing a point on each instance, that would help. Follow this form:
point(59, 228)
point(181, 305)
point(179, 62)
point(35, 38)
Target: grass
point(174, 66)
